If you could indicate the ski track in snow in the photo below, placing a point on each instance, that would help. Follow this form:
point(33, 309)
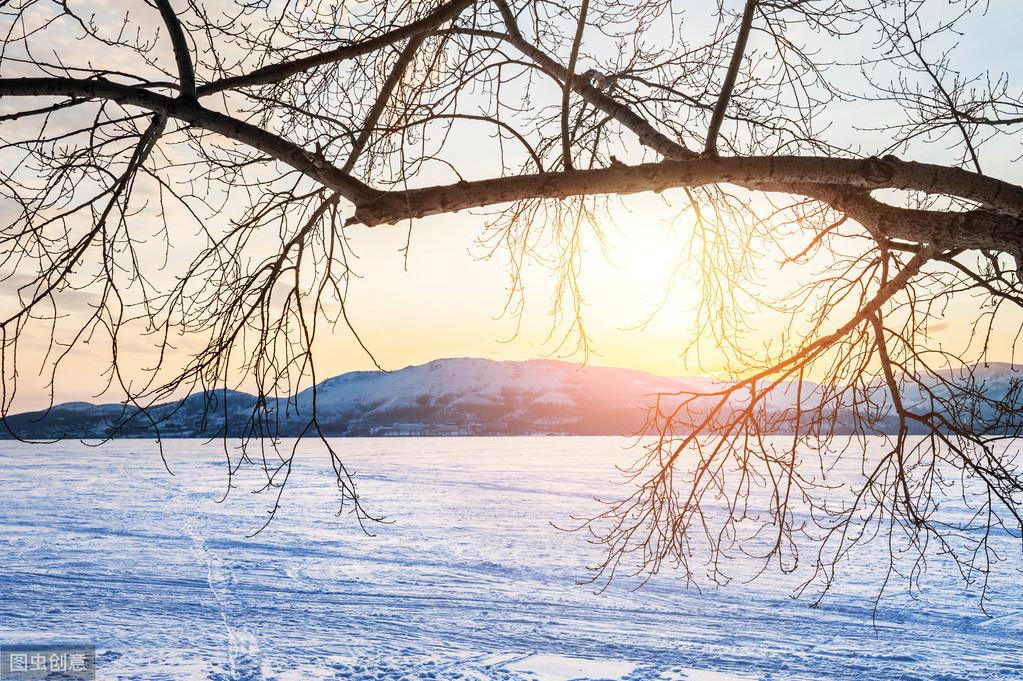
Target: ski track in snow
point(470, 581)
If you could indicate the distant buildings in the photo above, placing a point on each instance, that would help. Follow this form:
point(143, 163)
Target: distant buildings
point(416, 430)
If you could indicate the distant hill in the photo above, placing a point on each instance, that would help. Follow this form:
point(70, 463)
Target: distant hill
point(462, 396)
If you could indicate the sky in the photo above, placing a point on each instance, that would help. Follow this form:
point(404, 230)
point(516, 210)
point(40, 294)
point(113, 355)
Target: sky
point(449, 302)
point(444, 301)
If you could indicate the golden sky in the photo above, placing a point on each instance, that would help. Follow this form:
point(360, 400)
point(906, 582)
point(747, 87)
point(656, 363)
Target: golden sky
point(447, 302)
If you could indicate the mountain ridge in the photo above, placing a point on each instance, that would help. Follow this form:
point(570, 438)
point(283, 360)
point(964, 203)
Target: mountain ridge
point(450, 396)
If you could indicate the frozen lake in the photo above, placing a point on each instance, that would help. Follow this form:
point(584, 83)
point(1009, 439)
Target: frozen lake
point(471, 581)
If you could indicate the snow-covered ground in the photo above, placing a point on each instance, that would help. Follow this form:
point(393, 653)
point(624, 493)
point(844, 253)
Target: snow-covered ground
point(470, 581)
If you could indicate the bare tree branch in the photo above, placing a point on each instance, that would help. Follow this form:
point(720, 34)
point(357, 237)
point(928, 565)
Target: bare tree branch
point(718, 117)
point(182, 54)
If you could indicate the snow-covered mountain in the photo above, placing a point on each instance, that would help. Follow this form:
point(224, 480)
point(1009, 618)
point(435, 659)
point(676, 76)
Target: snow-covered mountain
point(467, 396)
point(461, 396)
